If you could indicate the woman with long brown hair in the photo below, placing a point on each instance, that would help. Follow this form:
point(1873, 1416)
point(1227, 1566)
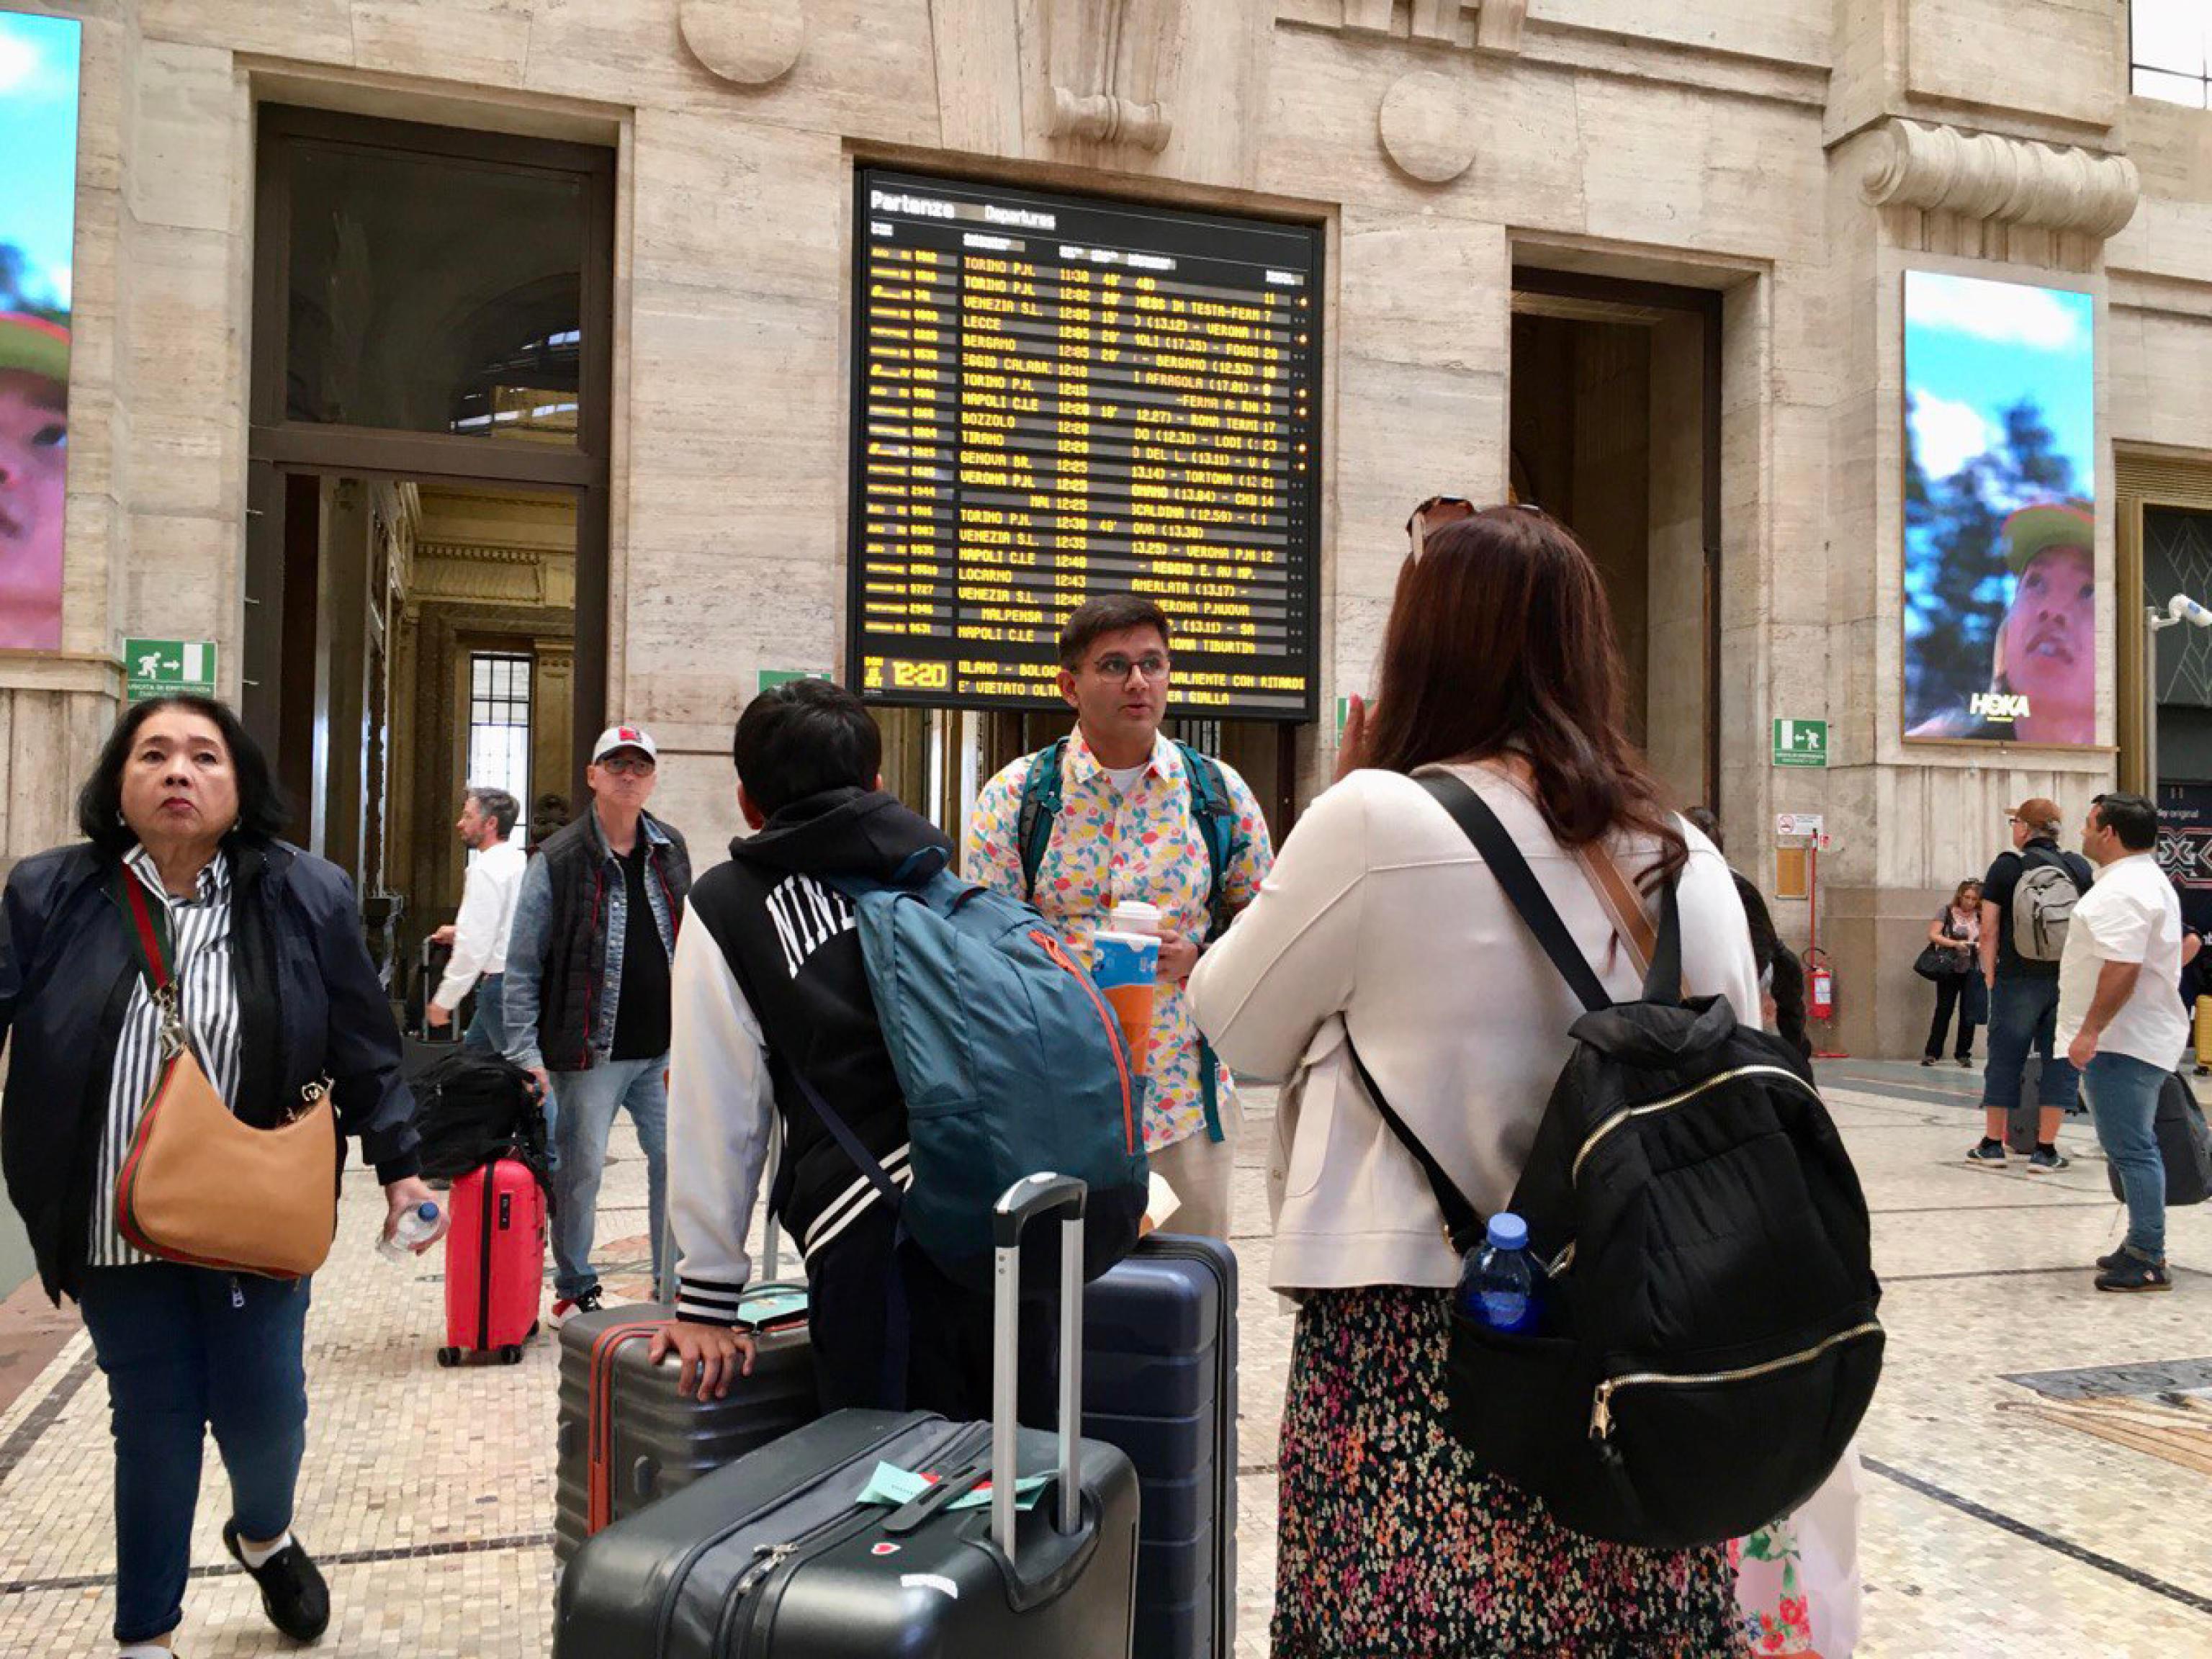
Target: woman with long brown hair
point(1381, 923)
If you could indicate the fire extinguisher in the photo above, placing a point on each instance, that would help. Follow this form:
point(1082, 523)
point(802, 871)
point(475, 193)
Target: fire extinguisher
point(1819, 986)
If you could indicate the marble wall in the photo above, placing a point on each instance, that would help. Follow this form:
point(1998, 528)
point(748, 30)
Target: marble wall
point(1777, 151)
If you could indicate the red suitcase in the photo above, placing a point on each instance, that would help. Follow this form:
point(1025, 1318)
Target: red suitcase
point(495, 1262)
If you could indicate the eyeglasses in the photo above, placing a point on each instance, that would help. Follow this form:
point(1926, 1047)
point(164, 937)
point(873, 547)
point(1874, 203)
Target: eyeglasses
point(1440, 510)
point(627, 765)
point(1153, 666)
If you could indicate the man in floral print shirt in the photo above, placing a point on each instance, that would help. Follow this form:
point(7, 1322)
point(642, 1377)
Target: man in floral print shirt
point(1124, 831)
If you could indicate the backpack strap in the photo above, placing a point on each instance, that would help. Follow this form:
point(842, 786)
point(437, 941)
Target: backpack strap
point(1521, 889)
point(1042, 795)
point(1463, 1224)
point(1215, 814)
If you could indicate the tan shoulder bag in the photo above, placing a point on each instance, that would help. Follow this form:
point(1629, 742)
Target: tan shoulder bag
point(199, 1186)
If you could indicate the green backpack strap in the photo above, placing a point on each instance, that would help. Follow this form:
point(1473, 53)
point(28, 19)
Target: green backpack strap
point(1215, 814)
point(1042, 795)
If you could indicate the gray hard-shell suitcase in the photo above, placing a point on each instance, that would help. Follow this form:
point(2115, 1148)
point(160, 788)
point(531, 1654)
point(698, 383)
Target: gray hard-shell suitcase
point(774, 1558)
point(626, 1437)
point(1159, 1381)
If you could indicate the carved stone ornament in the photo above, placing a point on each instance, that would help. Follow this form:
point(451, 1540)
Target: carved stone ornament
point(1112, 62)
point(1426, 128)
point(1983, 176)
point(750, 42)
point(1484, 25)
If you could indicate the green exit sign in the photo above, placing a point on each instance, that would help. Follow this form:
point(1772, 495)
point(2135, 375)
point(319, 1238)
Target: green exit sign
point(152, 668)
point(1801, 743)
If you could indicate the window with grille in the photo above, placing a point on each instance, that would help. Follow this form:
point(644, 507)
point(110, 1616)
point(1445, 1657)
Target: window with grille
point(2170, 51)
point(499, 725)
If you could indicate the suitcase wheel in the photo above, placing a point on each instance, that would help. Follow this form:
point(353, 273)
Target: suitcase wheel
point(511, 1354)
point(449, 1356)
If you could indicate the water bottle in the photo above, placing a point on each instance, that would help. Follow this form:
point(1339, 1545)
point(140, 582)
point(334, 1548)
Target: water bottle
point(416, 1225)
point(1499, 1285)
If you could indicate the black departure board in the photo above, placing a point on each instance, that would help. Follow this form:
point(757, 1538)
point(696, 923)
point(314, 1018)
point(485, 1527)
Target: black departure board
point(1057, 397)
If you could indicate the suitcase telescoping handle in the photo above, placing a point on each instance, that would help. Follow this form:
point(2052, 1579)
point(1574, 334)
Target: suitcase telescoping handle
point(1027, 1199)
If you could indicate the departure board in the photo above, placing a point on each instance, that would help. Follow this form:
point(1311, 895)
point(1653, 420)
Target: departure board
point(1058, 397)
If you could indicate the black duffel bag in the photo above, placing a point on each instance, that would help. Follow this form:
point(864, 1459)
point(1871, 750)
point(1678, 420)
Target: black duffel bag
point(2184, 1146)
point(471, 1107)
point(1708, 1343)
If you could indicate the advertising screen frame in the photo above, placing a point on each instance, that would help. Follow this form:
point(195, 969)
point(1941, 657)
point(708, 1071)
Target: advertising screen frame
point(2034, 493)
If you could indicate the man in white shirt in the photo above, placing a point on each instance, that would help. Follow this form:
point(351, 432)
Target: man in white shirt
point(478, 936)
point(2119, 1022)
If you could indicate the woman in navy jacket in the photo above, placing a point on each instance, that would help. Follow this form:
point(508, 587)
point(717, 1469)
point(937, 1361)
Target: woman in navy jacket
point(277, 992)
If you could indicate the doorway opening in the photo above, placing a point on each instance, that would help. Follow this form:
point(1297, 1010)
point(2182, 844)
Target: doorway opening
point(426, 582)
point(1616, 431)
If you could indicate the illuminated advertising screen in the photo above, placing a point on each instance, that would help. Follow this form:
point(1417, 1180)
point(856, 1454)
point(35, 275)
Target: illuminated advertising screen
point(37, 229)
point(1058, 397)
point(2000, 512)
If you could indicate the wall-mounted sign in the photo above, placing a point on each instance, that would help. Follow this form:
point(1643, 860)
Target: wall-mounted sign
point(1787, 824)
point(1999, 519)
point(37, 234)
point(1801, 743)
point(772, 677)
point(1059, 397)
point(155, 668)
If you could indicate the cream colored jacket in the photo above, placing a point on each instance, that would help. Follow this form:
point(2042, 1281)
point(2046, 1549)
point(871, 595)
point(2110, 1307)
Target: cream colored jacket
point(1381, 915)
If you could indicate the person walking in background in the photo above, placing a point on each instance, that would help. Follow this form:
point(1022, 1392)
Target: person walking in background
point(276, 993)
point(1956, 935)
point(2026, 897)
point(587, 997)
point(2121, 1025)
point(1781, 975)
point(1381, 923)
point(1114, 813)
point(478, 936)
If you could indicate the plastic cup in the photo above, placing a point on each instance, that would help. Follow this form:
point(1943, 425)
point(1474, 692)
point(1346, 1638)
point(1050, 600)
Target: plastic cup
point(1126, 968)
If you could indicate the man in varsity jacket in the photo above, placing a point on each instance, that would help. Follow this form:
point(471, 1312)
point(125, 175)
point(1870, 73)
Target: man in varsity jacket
point(769, 983)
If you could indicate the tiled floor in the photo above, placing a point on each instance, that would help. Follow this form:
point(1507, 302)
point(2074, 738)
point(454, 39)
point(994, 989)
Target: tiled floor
point(428, 1493)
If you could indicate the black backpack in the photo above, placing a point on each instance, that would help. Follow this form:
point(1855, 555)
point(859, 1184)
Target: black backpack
point(1707, 1342)
point(471, 1108)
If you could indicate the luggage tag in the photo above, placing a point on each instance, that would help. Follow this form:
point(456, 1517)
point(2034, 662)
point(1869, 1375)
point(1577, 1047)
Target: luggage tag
point(894, 1487)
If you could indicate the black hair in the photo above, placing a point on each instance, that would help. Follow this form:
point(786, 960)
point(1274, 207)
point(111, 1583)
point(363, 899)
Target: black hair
point(1706, 822)
point(802, 737)
point(501, 808)
point(1109, 613)
point(263, 812)
point(2131, 817)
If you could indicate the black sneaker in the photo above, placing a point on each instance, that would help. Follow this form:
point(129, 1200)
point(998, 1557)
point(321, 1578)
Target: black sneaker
point(1928, 1059)
point(1989, 1155)
point(293, 1593)
point(2130, 1272)
point(1965, 1062)
point(567, 1307)
point(2048, 1160)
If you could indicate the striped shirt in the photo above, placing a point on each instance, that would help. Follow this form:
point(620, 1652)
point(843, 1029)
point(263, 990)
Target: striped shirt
point(200, 958)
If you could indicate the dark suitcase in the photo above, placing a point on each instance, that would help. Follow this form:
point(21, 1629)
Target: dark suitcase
point(2185, 1146)
point(2025, 1122)
point(1159, 1381)
point(627, 1437)
point(774, 1555)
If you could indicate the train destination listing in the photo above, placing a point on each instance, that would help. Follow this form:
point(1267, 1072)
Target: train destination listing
point(1060, 397)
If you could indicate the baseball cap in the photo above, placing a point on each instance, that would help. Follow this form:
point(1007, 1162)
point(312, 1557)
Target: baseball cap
point(2037, 529)
point(624, 736)
point(35, 345)
point(2037, 812)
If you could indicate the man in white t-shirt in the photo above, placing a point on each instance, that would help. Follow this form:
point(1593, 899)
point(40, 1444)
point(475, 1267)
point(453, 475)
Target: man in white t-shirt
point(478, 935)
point(2120, 1024)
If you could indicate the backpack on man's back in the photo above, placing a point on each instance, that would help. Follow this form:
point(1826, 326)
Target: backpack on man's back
point(2043, 901)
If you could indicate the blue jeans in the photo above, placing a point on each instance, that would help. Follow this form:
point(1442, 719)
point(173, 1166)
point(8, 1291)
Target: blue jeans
point(2024, 1016)
point(2124, 1094)
point(487, 1031)
point(188, 1349)
point(588, 1103)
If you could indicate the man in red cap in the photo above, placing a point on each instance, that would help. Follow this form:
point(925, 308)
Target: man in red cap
point(34, 357)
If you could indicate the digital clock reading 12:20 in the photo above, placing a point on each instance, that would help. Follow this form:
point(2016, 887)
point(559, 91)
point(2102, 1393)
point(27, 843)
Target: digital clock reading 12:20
point(1057, 397)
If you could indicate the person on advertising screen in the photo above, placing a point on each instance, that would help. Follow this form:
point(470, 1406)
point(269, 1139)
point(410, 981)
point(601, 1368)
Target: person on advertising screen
point(2042, 671)
point(34, 357)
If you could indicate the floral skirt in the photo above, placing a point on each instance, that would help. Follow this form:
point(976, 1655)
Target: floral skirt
point(1393, 1541)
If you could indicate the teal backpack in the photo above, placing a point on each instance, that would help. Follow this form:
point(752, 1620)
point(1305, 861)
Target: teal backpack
point(1210, 810)
point(1012, 1063)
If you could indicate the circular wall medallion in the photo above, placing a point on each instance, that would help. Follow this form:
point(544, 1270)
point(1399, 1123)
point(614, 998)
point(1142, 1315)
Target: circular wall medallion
point(1425, 126)
point(751, 42)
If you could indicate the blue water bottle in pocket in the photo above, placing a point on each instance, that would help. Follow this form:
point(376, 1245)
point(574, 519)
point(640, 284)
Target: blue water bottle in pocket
point(1501, 1284)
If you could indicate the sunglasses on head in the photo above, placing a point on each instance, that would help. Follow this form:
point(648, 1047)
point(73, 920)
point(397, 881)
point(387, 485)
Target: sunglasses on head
point(1440, 510)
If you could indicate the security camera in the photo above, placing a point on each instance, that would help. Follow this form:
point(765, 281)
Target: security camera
point(2182, 608)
